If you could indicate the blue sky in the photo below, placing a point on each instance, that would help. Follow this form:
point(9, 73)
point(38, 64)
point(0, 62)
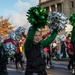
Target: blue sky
point(12, 5)
point(6, 6)
point(16, 10)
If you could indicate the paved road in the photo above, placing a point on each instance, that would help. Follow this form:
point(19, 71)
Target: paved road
point(60, 68)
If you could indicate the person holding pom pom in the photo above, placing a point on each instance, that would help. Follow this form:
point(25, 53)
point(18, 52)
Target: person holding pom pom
point(3, 58)
point(72, 21)
point(34, 45)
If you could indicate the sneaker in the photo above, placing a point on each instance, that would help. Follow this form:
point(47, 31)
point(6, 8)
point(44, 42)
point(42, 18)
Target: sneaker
point(73, 72)
point(47, 67)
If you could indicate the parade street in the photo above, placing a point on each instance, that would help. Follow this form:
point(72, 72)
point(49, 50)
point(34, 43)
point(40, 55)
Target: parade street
point(60, 68)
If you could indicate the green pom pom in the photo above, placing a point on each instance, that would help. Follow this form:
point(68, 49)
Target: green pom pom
point(72, 19)
point(37, 16)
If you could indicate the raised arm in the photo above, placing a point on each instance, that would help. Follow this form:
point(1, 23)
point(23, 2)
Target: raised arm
point(48, 40)
point(73, 35)
point(29, 38)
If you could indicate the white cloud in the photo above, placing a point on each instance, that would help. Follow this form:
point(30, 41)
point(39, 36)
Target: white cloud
point(34, 2)
point(18, 17)
point(22, 6)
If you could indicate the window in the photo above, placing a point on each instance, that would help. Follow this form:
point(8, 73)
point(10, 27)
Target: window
point(47, 9)
point(52, 8)
point(72, 4)
point(59, 7)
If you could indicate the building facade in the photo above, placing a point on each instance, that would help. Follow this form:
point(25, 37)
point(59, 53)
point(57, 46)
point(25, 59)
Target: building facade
point(65, 6)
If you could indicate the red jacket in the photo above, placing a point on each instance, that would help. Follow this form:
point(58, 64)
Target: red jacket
point(46, 49)
point(69, 47)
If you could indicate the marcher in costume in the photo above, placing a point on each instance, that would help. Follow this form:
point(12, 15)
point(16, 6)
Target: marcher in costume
point(18, 57)
point(3, 59)
point(34, 52)
point(70, 54)
point(34, 46)
point(72, 20)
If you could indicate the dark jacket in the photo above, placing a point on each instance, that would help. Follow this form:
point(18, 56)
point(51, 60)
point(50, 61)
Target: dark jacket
point(3, 58)
point(2, 52)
